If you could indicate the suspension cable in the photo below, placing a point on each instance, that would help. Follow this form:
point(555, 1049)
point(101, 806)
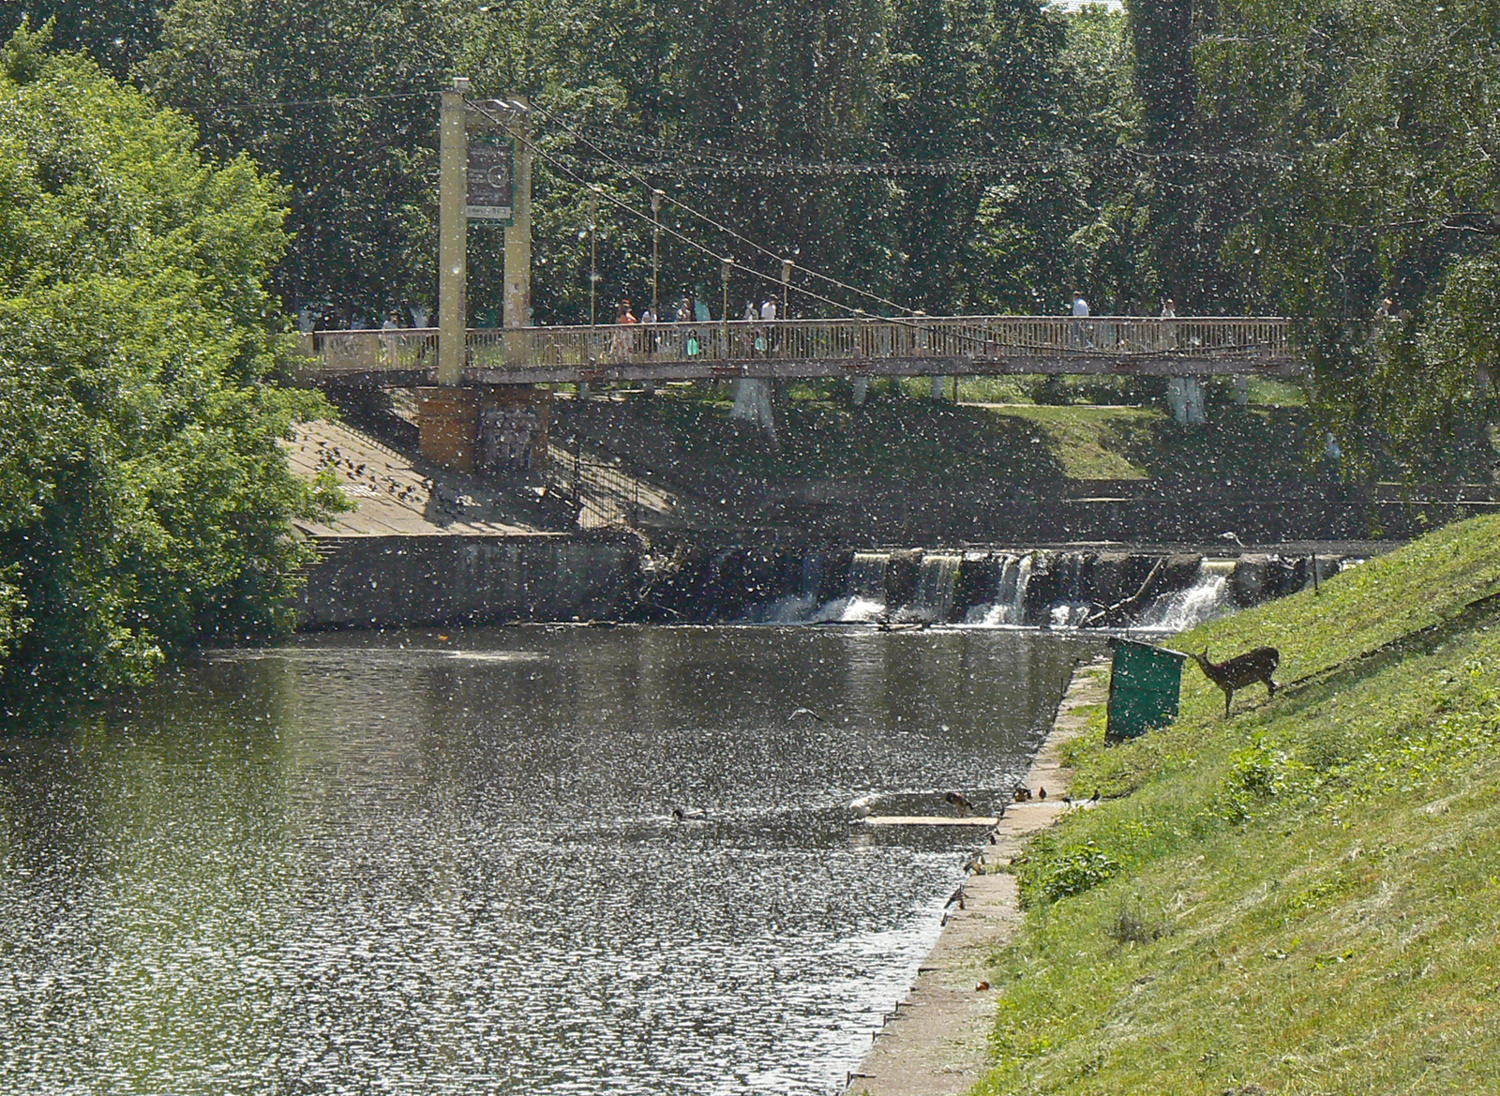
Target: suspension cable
point(624, 169)
point(622, 204)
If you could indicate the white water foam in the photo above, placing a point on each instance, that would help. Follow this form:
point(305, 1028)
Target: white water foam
point(865, 599)
point(849, 610)
point(1009, 606)
point(1206, 599)
point(936, 581)
point(796, 609)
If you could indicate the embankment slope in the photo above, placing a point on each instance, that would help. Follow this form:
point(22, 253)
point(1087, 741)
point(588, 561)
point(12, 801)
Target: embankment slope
point(1304, 897)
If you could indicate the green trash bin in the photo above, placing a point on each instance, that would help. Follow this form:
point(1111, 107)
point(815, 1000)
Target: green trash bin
point(1144, 686)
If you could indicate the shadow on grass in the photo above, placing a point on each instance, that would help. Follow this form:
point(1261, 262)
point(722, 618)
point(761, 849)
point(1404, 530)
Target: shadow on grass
point(897, 439)
point(890, 438)
point(1238, 448)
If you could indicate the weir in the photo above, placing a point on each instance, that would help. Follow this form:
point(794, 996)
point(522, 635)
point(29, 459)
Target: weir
point(866, 596)
point(1013, 577)
point(1000, 588)
point(937, 578)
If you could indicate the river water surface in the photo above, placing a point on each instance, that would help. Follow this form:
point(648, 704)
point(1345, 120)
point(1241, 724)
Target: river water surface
point(448, 864)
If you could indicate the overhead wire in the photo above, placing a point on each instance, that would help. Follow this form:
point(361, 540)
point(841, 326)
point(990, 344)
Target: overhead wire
point(729, 261)
point(337, 100)
point(722, 163)
point(667, 156)
point(726, 229)
point(605, 195)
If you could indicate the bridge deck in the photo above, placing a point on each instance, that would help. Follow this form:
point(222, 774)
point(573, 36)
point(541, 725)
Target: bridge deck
point(920, 346)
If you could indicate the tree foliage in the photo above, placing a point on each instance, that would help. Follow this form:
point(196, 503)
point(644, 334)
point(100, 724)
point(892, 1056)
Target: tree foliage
point(116, 33)
point(342, 105)
point(1378, 124)
point(1311, 158)
point(144, 500)
point(340, 102)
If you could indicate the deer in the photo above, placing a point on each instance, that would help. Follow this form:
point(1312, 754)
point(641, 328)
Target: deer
point(1241, 670)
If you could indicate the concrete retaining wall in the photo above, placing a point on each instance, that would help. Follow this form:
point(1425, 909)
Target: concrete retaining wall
point(391, 581)
point(935, 517)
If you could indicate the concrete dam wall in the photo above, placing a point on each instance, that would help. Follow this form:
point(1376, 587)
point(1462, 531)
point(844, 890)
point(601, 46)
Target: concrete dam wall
point(392, 581)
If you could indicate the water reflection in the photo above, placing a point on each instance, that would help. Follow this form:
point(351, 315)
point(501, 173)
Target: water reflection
point(414, 864)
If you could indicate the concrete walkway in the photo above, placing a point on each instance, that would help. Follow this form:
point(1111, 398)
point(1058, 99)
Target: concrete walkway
point(394, 494)
point(935, 1045)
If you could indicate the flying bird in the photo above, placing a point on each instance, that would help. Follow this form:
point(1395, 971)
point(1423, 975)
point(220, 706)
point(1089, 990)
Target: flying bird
point(807, 711)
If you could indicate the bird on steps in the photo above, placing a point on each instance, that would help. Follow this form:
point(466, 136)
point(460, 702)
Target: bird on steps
point(961, 801)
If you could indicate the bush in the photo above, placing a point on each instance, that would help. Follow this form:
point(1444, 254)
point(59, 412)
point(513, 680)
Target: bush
point(144, 498)
point(1047, 872)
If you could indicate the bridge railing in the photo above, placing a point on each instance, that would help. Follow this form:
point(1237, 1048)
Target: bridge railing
point(870, 339)
point(372, 351)
point(856, 339)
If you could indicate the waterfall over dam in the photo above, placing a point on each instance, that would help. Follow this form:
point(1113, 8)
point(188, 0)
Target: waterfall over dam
point(984, 588)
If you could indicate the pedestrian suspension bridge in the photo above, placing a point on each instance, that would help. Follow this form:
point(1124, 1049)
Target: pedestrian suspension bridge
point(788, 349)
point(484, 396)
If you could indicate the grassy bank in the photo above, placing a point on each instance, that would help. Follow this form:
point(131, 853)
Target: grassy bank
point(1304, 898)
point(900, 437)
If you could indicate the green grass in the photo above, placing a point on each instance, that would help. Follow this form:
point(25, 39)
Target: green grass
point(1305, 897)
point(900, 438)
point(1094, 443)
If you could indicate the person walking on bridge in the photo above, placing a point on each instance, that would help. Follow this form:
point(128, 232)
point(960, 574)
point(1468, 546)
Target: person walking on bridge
point(752, 336)
point(768, 318)
point(391, 325)
point(1167, 332)
point(1081, 334)
point(620, 347)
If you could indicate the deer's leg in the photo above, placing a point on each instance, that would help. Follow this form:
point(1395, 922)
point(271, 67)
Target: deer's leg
point(1270, 687)
point(1228, 699)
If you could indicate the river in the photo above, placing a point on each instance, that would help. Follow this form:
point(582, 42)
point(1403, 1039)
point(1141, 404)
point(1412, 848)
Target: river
point(413, 862)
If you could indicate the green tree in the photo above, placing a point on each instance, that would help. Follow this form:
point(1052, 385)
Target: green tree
point(116, 33)
point(340, 102)
point(1063, 219)
point(972, 81)
point(1384, 126)
point(144, 499)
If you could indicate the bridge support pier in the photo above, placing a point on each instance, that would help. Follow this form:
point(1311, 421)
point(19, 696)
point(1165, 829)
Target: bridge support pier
point(1187, 399)
point(753, 403)
point(503, 429)
point(448, 419)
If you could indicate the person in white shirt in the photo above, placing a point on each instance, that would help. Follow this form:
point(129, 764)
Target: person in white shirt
point(1082, 335)
point(388, 340)
point(648, 338)
point(1167, 335)
point(768, 333)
